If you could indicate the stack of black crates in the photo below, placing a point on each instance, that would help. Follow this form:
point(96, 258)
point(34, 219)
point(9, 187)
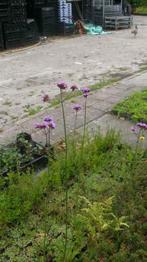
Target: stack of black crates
point(4, 17)
point(15, 28)
point(45, 16)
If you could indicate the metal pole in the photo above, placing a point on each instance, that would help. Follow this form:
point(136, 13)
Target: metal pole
point(121, 3)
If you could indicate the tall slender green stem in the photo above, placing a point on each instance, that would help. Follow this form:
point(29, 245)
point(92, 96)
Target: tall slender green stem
point(75, 123)
point(64, 121)
point(66, 187)
point(49, 136)
point(84, 130)
point(49, 147)
point(46, 139)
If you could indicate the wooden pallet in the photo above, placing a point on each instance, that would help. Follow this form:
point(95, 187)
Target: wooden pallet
point(118, 22)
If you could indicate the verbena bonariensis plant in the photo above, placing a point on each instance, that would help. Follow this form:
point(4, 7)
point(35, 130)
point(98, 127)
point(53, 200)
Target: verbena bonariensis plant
point(86, 92)
point(138, 130)
point(76, 108)
point(48, 124)
point(63, 86)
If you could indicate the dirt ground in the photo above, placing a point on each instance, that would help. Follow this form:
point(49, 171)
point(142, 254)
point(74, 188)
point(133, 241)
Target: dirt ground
point(27, 74)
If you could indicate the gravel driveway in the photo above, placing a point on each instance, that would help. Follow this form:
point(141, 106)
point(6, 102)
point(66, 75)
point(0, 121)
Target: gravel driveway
point(26, 74)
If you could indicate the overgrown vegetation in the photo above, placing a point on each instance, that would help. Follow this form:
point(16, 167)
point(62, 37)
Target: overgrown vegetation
point(87, 205)
point(137, 3)
point(106, 206)
point(139, 6)
point(134, 107)
point(142, 10)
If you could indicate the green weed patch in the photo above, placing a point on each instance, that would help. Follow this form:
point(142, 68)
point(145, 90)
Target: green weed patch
point(133, 108)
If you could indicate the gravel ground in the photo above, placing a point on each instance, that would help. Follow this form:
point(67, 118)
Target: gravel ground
point(27, 74)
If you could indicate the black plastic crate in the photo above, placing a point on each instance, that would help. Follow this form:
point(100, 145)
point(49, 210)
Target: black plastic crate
point(4, 14)
point(17, 36)
point(12, 27)
point(18, 11)
point(46, 20)
point(46, 12)
point(32, 34)
point(17, 2)
point(14, 35)
point(65, 29)
point(4, 10)
point(39, 3)
point(48, 29)
point(1, 38)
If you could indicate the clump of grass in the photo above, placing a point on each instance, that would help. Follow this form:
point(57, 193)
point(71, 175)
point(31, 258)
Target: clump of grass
point(104, 83)
point(7, 103)
point(143, 67)
point(31, 111)
point(133, 108)
point(67, 96)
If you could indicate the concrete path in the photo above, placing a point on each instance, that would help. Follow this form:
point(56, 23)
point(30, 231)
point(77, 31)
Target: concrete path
point(100, 104)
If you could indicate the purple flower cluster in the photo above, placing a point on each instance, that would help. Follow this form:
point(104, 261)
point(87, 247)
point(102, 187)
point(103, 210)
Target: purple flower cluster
point(41, 126)
point(52, 125)
point(77, 107)
point(142, 125)
point(47, 123)
point(48, 119)
point(136, 129)
point(46, 98)
point(85, 91)
point(62, 85)
point(74, 87)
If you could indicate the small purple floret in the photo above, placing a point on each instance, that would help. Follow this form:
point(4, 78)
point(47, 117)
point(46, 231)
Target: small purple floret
point(62, 85)
point(52, 124)
point(142, 125)
point(41, 126)
point(77, 107)
point(85, 95)
point(48, 119)
point(74, 87)
point(46, 98)
point(85, 90)
point(133, 129)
